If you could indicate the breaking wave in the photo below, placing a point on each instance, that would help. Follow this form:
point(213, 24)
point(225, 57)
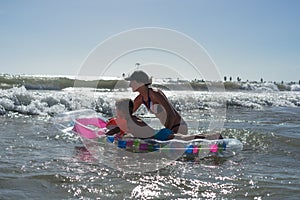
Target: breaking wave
point(30, 102)
point(51, 82)
point(46, 102)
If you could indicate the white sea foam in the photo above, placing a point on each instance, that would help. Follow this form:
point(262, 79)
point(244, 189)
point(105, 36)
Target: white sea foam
point(260, 87)
point(58, 82)
point(43, 102)
point(295, 87)
point(48, 102)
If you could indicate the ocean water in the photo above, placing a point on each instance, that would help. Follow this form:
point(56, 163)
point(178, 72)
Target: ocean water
point(37, 161)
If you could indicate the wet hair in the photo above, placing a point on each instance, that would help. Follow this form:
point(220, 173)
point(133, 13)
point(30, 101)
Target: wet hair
point(125, 105)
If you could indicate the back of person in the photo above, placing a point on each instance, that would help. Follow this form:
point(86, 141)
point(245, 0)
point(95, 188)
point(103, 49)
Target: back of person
point(156, 102)
point(168, 116)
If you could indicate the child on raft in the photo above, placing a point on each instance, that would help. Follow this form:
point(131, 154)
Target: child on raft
point(126, 122)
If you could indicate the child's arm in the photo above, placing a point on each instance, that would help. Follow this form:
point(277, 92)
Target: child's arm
point(138, 128)
point(113, 131)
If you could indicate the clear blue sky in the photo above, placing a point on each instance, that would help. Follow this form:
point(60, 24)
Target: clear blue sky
point(246, 38)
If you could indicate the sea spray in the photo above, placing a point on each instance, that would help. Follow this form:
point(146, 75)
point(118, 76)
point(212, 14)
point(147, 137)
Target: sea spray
point(21, 100)
point(52, 82)
point(48, 102)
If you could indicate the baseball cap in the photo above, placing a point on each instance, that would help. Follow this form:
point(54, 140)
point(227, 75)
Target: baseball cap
point(139, 76)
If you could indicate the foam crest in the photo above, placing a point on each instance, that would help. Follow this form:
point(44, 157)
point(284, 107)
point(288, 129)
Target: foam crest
point(45, 102)
point(48, 102)
point(295, 87)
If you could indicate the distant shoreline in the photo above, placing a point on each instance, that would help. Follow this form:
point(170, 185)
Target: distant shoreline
point(61, 82)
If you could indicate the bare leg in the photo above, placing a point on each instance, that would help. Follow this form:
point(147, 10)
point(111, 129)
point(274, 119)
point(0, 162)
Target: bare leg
point(215, 136)
point(180, 136)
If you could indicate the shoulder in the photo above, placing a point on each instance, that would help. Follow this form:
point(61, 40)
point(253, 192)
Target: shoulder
point(157, 94)
point(111, 121)
point(138, 99)
point(156, 91)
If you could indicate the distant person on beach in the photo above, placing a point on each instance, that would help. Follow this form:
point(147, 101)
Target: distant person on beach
point(126, 122)
point(156, 102)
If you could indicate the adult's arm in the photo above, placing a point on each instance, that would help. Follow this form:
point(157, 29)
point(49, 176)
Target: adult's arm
point(137, 102)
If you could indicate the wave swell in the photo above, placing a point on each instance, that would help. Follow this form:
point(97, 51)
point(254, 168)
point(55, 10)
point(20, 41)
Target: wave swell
point(28, 102)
